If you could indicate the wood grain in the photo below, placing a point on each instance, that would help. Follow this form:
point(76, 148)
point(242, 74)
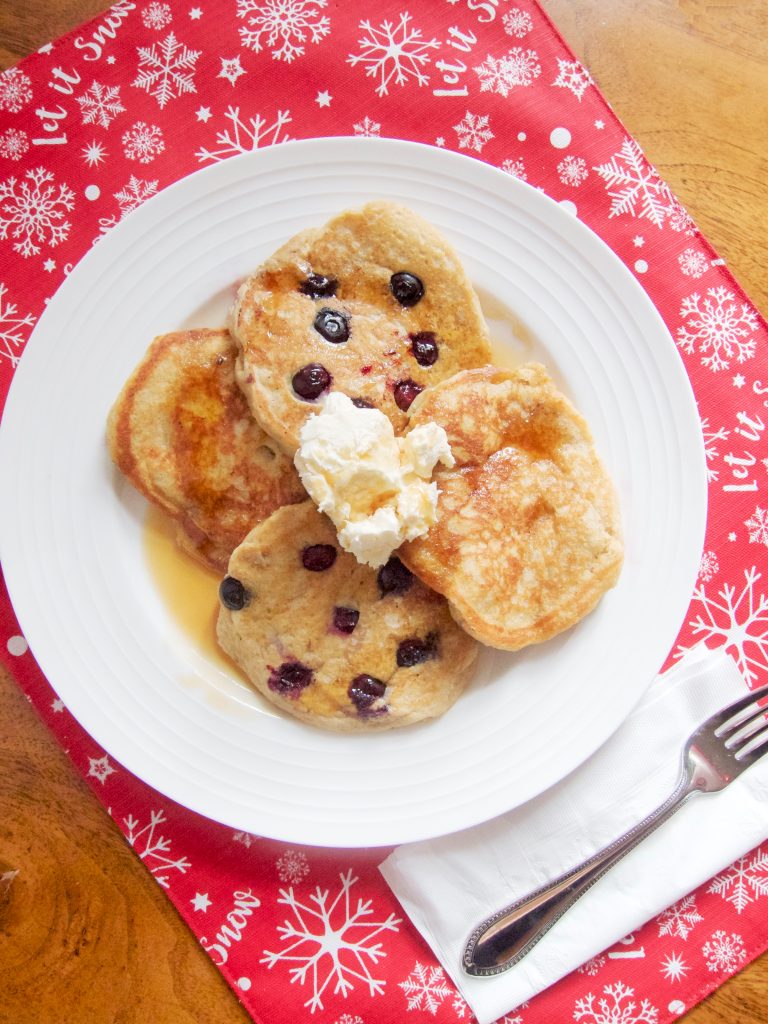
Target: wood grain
point(85, 935)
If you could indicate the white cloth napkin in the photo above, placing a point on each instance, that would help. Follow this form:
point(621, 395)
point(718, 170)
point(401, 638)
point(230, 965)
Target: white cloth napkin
point(448, 885)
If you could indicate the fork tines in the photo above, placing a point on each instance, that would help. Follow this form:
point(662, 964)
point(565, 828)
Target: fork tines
point(743, 719)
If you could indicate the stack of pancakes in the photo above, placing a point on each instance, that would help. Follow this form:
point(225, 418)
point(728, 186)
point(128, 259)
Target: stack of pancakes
point(376, 305)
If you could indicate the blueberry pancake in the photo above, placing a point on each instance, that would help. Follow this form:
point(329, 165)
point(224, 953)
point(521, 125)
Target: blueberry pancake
point(375, 304)
point(182, 433)
point(334, 642)
point(528, 535)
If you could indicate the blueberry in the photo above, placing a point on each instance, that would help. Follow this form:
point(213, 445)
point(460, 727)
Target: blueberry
point(290, 678)
point(318, 557)
point(363, 403)
point(333, 325)
point(233, 594)
point(424, 348)
point(413, 651)
point(365, 690)
point(345, 619)
point(405, 391)
point(318, 286)
point(394, 578)
point(407, 288)
point(311, 381)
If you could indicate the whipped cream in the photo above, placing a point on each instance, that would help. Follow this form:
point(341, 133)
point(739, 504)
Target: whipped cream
point(376, 488)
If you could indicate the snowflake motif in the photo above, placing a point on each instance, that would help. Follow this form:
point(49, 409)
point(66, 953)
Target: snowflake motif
point(283, 25)
point(461, 1007)
point(32, 211)
point(517, 23)
point(736, 622)
point(100, 104)
point(134, 193)
point(680, 219)
point(518, 67)
point(143, 142)
point(710, 451)
point(693, 263)
point(757, 524)
point(393, 53)
point(591, 967)
point(154, 849)
point(13, 328)
point(347, 1018)
point(245, 138)
point(572, 171)
point(425, 988)
point(679, 919)
point(745, 881)
point(724, 953)
point(100, 769)
point(331, 941)
point(166, 70)
point(673, 967)
point(574, 76)
point(615, 1007)
point(292, 866)
point(473, 131)
point(719, 326)
point(157, 15)
point(93, 154)
point(515, 168)
point(635, 187)
point(248, 839)
point(15, 91)
point(367, 128)
point(708, 566)
point(231, 69)
point(14, 143)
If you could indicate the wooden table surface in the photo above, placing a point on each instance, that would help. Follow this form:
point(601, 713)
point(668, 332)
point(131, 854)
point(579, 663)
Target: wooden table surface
point(86, 936)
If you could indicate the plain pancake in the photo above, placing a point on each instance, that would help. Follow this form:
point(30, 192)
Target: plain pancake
point(528, 535)
point(182, 433)
point(288, 642)
point(273, 319)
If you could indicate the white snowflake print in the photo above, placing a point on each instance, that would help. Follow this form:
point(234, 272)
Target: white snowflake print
point(134, 193)
point(638, 241)
point(100, 769)
point(143, 142)
point(679, 919)
point(673, 967)
point(737, 622)
point(724, 953)
point(680, 220)
point(708, 566)
point(245, 137)
point(32, 211)
point(100, 104)
point(292, 866)
point(615, 1006)
point(473, 131)
point(719, 326)
point(14, 143)
point(330, 941)
point(710, 438)
point(739, 380)
point(517, 68)
point(693, 263)
point(572, 170)
point(574, 76)
point(15, 90)
point(14, 329)
point(515, 168)
point(517, 23)
point(635, 187)
point(757, 524)
point(591, 967)
point(745, 881)
point(393, 53)
point(231, 69)
point(425, 988)
point(367, 128)
point(94, 153)
point(156, 15)
point(347, 1018)
point(246, 838)
point(460, 1006)
point(153, 848)
point(166, 70)
point(284, 26)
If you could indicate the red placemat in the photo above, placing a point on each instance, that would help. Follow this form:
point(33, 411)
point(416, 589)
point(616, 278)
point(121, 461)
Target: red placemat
point(95, 123)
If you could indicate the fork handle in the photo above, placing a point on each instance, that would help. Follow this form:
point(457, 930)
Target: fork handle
point(503, 939)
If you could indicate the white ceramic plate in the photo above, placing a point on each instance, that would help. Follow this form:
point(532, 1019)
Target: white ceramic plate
point(72, 538)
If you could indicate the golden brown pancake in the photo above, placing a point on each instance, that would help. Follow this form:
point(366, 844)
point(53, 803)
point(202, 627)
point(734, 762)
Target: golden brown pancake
point(339, 308)
point(528, 532)
point(333, 642)
point(182, 433)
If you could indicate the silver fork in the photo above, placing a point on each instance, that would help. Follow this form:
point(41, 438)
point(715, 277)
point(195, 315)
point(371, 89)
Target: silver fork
point(723, 747)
